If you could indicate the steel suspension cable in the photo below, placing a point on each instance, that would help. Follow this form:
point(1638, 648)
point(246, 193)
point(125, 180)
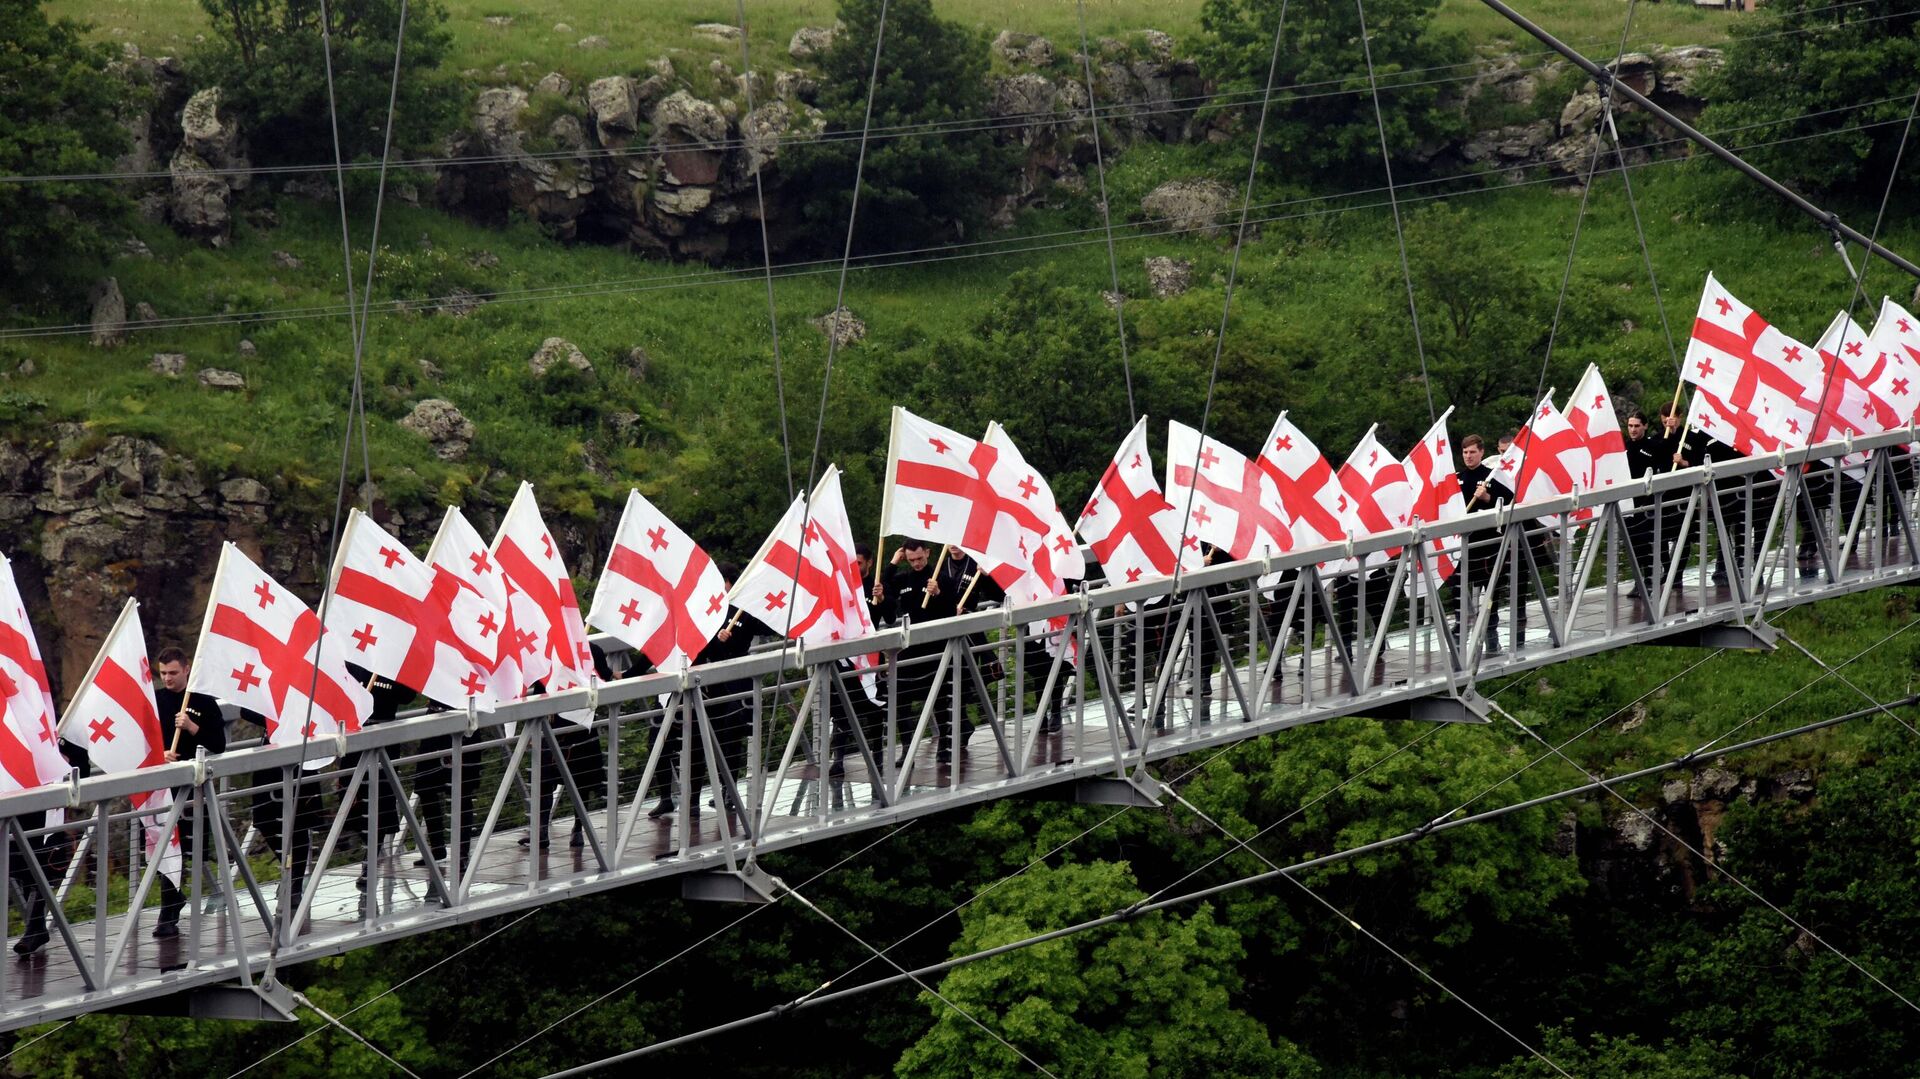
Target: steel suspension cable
point(1106, 214)
point(766, 249)
point(1226, 301)
point(1393, 202)
point(1646, 252)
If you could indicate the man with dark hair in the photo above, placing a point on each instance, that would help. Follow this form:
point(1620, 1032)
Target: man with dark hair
point(1644, 457)
point(913, 592)
point(188, 722)
point(1482, 493)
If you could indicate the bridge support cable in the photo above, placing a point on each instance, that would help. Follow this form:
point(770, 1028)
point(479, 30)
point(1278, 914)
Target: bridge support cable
point(895, 964)
point(328, 1018)
point(766, 248)
point(682, 953)
point(1106, 214)
point(1239, 844)
point(1709, 860)
point(825, 995)
point(1226, 302)
point(1834, 672)
point(1393, 203)
point(1827, 218)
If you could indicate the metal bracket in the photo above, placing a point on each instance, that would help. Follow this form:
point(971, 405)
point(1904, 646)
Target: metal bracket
point(744, 885)
point(263, 1002)
point(1468, 707)
point(1138, 790)
point(1756, 635)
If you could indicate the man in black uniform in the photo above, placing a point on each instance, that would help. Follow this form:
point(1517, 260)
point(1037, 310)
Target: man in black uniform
point(912, 592)
point(729, 712)
point(388, 698)
point(1643, 458)
point(1482, 493)
point(188, 722)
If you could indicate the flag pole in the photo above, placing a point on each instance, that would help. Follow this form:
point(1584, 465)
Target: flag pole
point(924, 595)
point(968, 594)
point(886, 490)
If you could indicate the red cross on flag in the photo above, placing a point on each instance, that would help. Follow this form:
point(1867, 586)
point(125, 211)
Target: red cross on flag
point(1230, 503)
point(264, 650)
point(1848, 406)
point(803, 582)
point(550, 641)
point(660, 592)
point(459, 550)
point(29, 755)
point(940, 487)
point(1712, 417)
point(1437, 498)
point(1768, 383)
point(1895, 348)
point(1590, 413)
point(1052, 555)
point(1128, 524)
point(1548, 457)
point(1377, 497)
point(1309, 491)
point(401, 618)
point(113, 717)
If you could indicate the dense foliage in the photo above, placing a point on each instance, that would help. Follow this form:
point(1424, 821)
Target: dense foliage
point(1844, 72)
point(269, 58)
point(923, 178)
point(1321, 122)
point(63, 101)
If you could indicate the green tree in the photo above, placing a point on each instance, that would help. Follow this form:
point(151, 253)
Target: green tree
point(267, 57)
point(1323, 133)
point(1155, 996)
point(915, 188)
point(59, 103)
point(1624, 1057)
point(1801, 68)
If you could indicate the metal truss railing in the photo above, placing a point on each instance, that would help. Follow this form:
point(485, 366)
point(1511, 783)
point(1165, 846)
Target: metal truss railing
point(440, 819)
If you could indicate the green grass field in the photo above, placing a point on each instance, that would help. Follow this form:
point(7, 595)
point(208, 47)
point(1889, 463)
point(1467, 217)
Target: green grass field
point(531, 46)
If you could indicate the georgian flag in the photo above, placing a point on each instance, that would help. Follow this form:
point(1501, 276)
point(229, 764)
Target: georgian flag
point(1713, 418)
point(660, 592)
point(1128, 524)
point(1895, 347)
point(1590, 412)
point(402, 619)
point(550, 639)
point(1056, 557)
point(264, 650)
point(1310, 492)
point(1846, 408)
point(940, 488)
point(113, 717)
point(1228, 500)
point(1765, 384)
point(459, 550)
point(1548, 457)
point(29, 754)
point(1437, 497)
point(803, 582)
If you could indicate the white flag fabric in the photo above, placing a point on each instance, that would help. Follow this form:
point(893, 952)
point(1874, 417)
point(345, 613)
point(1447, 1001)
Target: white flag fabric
point(1310, 492)
point(803, 583)
point(1128, 524)
point(114, 718)
point(1763, 382)
point(1590, 413)
point(29, 754)
point(1710, 417)
point(1548, 458)
point(1437, 498)
point(660, 592)
point(1056, 556)
point(1847, 409)
point(401, 618)
point(1895, 378)
point(264, 650)
point(551, 638)
point(1228, 500)
point(459, 550)
point(940, 488)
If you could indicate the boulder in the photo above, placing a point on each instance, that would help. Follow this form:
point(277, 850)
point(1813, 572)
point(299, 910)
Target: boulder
point(208, 136)
point(460, 302)
point(1169, 276)
point(498, 22)
point(441, 424)
point(496, 117)
point(637, 363)
point(765, 128)
point(245, 491)
point(841, 326)
point(198, 201)
point(691, 134)
point(214, 378)
point(109, 319)
point(1160, 44)
point(682, 201)
point(795, 85)
point(246, 348)
point(168, 364)
point(1510, 145)
point(717, 31)
point(1190, 205)
point(1715, 784)
point(1017, 48)
point(429, 370)
point(809, 42)
point(556, 350)
point(283, 260)
point(553, 83)
point(614, 105)
point(591, 41)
